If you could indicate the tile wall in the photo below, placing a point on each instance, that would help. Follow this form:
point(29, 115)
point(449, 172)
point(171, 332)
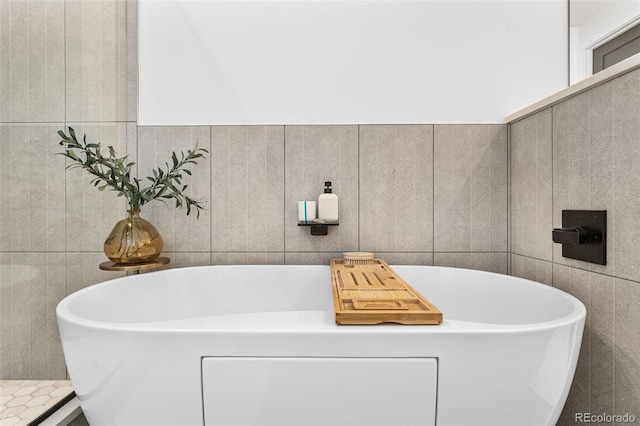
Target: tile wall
point(414, 194)
point(583, 153)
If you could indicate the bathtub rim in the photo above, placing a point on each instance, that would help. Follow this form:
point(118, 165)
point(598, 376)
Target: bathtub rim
point(449, 326)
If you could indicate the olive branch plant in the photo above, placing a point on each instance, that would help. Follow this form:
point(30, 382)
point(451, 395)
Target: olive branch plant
point(110, 171)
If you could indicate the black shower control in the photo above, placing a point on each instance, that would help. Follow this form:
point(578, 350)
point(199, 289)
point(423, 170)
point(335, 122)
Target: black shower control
point(583, 235)
point(574, 235)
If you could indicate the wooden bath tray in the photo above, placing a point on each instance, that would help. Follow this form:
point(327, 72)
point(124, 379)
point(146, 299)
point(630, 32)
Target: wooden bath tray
point(373, 293)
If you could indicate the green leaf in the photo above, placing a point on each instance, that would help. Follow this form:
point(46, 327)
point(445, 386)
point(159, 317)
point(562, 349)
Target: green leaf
point(115, 172)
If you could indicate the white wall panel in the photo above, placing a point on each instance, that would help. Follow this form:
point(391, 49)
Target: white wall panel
point(351, 61)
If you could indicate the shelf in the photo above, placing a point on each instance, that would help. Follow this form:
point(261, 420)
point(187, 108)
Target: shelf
point(319, 228)
point(135, 267)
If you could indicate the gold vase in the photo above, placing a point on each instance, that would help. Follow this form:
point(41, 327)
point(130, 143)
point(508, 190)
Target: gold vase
point(133, 240)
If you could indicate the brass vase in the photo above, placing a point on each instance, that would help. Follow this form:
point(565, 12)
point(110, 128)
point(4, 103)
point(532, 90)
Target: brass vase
point(133, 240)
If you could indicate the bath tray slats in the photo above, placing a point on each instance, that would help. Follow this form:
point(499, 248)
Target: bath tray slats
point(373, 293)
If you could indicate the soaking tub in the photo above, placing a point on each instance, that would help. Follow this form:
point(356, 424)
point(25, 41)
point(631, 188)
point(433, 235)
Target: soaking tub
point(258, 345)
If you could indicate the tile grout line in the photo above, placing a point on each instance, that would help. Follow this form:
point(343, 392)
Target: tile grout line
point(615, 285)
point(284, 196)
point(359, 183)
point(433, 192)
point(417, 162)
point(552, 187)
point(247, 185)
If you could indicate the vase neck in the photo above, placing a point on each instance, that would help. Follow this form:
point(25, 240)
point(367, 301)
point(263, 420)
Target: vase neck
point(134, 214)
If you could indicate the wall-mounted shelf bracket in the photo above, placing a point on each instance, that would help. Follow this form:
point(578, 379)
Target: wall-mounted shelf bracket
point(318, 228)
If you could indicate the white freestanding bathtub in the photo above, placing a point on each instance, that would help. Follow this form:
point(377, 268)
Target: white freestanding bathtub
point(258, 345)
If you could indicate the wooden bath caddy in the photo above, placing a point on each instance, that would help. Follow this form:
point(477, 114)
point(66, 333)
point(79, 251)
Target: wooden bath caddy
point(372, 293)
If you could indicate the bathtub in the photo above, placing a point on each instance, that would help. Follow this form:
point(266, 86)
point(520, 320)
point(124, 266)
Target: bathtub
point(258, 345)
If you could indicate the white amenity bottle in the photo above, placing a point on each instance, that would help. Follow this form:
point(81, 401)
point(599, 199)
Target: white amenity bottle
point(328, 205)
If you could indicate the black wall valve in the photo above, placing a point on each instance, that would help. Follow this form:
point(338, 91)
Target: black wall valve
point(583, 235)
point(574, 235)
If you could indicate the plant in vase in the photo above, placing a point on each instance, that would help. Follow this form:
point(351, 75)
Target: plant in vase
point(133, 240)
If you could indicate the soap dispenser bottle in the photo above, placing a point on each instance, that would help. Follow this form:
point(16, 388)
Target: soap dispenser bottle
point(328, 205)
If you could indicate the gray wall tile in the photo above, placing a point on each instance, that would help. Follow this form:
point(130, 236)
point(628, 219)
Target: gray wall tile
point(490, 262)
point(37, 60)
point(248, 258)
point(83, 270)
point(32, 61)
point(132, 60)
point(21, 270)
point(20, 185)
point(5, 61)
point(313, 155)
point(47, 288)
point(5, 182)
point(74, 102)
point(532, 269)
point(31, 286)
point(601, 340)
point(55, 91)
point(183, 260)
point(627, 347)
point(33, 206)
point(531, 217)
point(453, 167)
point(6, 317)
point(583, 163)
point(396, 188)
point(18, 58)
point(46, 61)
point(602, 164)
point(91, 214)
point(498, 187)
point(543, 185)
point(406, 258)
point(95, 80)
point(155, 147)
point(626, 124)
point(47, 189)
point(470, 188)
point(566, 176)
point(247, 181)
point(516, 162)
point(310, 258)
